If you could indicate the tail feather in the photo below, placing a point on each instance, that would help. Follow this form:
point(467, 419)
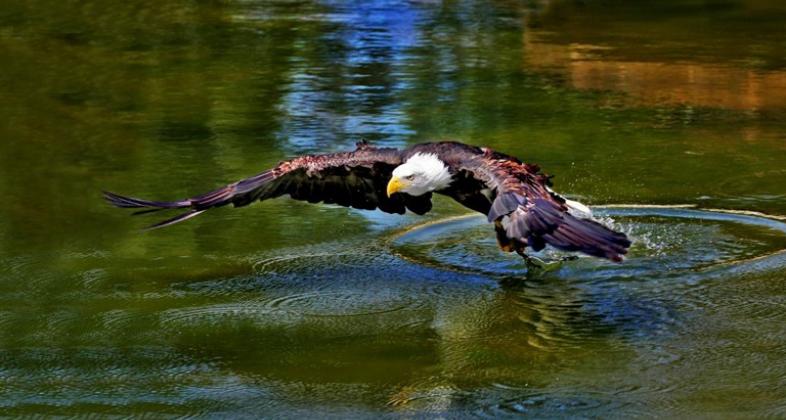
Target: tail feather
point(542, 221)
point(589, 237)
point(569, 233)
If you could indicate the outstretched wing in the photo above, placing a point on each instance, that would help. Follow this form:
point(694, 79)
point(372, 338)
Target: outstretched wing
point(526, 212)
point(352, 179)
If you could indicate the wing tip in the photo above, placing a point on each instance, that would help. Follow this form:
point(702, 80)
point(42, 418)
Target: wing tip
point(126, 202)
point(173, 220)
point(118, 200)
point(121, 201)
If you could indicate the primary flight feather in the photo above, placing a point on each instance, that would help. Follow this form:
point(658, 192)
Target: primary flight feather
point(515, 196)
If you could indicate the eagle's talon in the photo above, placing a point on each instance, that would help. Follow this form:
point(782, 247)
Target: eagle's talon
point(531, 262)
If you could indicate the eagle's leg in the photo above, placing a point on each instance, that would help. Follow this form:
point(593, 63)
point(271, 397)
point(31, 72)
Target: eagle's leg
point(510, 245)
point(505, 243)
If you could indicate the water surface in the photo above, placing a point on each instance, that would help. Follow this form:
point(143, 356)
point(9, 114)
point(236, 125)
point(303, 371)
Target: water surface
point(288, 309)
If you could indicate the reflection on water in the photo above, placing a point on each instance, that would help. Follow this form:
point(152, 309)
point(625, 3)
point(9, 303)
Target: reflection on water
point(286, 308)
point(664, 62)
point(658, 83)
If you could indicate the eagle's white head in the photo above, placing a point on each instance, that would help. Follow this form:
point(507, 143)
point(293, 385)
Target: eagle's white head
point(420, 174)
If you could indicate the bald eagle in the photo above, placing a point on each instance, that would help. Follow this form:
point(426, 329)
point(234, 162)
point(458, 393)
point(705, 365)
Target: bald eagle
point(516, 197)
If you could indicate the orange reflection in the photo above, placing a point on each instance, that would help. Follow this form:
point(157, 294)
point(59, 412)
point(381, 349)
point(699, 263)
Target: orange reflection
point(657, 82)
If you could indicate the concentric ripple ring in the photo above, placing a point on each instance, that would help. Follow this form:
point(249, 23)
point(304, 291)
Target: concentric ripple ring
point(413, 243)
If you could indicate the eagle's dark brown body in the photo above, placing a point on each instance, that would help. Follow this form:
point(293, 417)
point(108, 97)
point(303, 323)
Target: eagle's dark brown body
point(514, 195)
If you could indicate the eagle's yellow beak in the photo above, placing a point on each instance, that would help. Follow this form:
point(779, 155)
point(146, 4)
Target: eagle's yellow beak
point(395, 185)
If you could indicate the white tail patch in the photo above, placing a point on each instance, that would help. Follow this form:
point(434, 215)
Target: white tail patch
point(575, 208)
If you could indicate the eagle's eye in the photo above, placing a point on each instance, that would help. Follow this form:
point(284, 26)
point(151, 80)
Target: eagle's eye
point(410, 177)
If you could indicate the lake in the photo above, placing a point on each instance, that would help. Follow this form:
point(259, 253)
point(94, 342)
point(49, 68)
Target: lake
point(668, 117)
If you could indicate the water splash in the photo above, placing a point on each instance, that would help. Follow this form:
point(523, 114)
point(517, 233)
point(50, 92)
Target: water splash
point(668, 241)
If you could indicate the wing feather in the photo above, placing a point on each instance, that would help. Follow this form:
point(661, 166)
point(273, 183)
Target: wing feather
point(527, 211)
point(351, 179)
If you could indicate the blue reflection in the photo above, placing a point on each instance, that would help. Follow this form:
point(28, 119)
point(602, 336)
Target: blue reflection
point(357, 94)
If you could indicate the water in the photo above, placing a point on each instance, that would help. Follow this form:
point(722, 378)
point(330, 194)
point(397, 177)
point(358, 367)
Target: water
point(288, 309)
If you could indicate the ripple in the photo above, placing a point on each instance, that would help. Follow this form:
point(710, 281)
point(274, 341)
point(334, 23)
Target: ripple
point(445, 319)
point(287, 263)
point(342, 303)
point(220, 313)
point(668, 242)
point(117, 319)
